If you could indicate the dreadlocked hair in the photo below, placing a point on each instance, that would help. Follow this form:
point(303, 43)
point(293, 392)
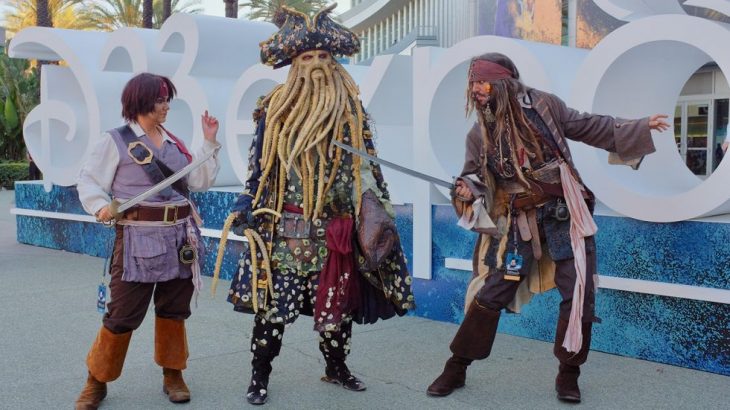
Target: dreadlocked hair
point(316, 101)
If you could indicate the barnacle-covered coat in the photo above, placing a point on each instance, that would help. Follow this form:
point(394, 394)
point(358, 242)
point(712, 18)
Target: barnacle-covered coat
point(385, 291)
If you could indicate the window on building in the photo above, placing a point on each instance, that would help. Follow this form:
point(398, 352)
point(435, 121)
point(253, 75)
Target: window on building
point(721, 128)
point(701, 120)
point(564, 40)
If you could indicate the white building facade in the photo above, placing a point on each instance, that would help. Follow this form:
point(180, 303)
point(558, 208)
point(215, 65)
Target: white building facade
point(395, 26)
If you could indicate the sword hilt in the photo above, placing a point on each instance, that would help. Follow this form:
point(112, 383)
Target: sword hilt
point(114, 209)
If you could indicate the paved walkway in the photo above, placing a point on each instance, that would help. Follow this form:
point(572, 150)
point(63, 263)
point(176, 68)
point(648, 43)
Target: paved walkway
point(48, 316)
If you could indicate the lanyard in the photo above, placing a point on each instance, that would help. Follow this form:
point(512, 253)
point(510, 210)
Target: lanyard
point(101, 291)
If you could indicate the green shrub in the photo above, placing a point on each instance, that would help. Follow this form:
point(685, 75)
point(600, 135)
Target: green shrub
point(11, 172)
point(19, 85)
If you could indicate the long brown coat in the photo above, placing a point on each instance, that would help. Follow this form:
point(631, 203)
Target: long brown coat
point(627, 141)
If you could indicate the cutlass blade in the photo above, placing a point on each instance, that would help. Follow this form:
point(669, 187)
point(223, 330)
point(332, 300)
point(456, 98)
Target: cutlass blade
point(117, 207)
point(396, 167)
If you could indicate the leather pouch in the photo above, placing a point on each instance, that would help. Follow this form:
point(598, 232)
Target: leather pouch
point(557, 237)
point(376, 231)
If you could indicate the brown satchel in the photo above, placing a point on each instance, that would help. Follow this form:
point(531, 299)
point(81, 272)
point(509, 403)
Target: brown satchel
point(376, 231)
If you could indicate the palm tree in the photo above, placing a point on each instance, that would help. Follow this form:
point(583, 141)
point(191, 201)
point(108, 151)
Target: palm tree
point(231, 8)
point(166, 9)
point(158, 9)
point(112, 14)
point(147, 13)
point(265, 9)
point(44, 13)
point(43, 17)
point(22, 13)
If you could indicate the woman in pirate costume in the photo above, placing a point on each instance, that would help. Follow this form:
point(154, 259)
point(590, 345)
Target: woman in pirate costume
point(319, 222)
point(156, 242)
point(539, 234)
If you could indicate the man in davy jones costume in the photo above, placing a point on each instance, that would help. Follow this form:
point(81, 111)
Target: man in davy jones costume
point(520, 190)
point(319, 223)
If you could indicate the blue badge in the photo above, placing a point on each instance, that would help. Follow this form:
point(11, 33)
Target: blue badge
point(101, 299)
point(513, 262)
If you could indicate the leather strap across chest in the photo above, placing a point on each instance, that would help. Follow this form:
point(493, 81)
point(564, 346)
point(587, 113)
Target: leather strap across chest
point(142, 155)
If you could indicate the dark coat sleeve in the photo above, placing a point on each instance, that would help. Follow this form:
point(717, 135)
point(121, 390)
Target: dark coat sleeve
point(474, 165)
point(629, 139)
point(244, 201)
point(472, 156)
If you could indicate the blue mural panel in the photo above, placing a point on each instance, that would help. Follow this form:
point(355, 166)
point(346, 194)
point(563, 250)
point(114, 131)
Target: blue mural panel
point(31, 195)
point(214, 206)
point(80, 237)
point(682, 332)
point(689, 253)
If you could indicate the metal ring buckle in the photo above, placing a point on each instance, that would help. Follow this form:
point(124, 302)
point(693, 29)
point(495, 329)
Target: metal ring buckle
point(168, 213)
point(135, 144)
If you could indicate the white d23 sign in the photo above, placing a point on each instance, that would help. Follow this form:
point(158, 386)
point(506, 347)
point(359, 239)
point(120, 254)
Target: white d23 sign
point(416, 102)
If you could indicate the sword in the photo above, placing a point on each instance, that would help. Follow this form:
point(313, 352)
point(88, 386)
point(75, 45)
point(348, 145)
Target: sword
point(396, 167)
point(117, 207)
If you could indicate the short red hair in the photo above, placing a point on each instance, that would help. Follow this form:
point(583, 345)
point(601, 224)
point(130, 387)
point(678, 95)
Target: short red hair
point(141, 92)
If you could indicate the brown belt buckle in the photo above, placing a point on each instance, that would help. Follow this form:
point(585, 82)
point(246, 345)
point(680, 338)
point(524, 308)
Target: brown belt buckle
point(170, 210)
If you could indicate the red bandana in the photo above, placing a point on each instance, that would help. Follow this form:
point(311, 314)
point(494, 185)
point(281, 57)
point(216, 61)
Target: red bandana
point(483, 70)
point(164, 92)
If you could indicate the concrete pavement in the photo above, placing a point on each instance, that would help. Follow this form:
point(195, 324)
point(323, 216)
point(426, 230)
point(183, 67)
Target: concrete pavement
point(48, 316)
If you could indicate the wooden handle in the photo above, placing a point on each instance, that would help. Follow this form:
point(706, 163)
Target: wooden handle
point(114, 209)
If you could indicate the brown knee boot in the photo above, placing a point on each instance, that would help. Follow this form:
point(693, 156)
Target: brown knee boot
point(566, 382)
point(473, 341)
point(105, 361)
point(171, 352)
point(452, 378)
point(91, 396)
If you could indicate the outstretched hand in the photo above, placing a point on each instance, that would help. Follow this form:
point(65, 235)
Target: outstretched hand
point(657, 123)
point(210, 126)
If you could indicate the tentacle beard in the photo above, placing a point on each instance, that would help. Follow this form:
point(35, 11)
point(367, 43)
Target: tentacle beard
point(304, 114)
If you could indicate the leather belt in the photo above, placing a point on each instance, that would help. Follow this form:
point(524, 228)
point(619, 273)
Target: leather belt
point(531, 201)
point(555, 190)
point(512, 187)
point(168, 214)
point(541, 193)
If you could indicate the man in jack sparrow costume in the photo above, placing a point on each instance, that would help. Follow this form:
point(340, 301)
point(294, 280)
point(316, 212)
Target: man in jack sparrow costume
point(520, 190)
point(319, 221)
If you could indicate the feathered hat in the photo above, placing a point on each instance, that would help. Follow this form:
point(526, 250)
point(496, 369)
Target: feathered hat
point(298, 33)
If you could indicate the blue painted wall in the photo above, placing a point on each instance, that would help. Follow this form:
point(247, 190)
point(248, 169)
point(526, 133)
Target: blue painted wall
point(676, 331)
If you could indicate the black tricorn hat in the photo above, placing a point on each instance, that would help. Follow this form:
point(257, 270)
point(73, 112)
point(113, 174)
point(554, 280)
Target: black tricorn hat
point(298, 33)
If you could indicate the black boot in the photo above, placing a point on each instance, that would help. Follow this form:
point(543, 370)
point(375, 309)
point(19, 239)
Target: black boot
point(337, 372)
point(566, 383)
point(265, 346)
point(452, 378)
point(258, 388)
point(335, 346)
point(473, 341)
